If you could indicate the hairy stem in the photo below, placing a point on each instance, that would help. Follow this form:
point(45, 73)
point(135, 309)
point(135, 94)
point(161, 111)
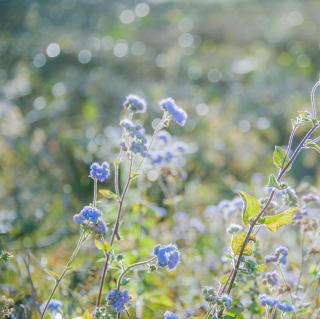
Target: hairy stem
point(228, 286)
point(81, 240)
point(115, 233)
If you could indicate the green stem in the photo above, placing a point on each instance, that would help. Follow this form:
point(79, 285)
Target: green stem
point(141, 263)
point(81, 240)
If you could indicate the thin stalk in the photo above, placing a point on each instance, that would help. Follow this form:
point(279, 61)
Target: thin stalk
point(281, 173)
point(115, 233)
point(141, 263)
point(82, 238)
point(95, 192)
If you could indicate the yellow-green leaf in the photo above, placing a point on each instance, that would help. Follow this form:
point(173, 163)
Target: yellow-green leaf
point(273, 223)
point(237, 241)
point(87, 315)
point(103, 245)
point(280, 159)
point(107, 193)
point(251, 207)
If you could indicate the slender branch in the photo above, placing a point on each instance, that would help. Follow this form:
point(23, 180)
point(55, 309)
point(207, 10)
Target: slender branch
point(228, 286)
point(115, 233)
point(313, 100)
point(95, 191)
point(141, 263)
point(81, 240)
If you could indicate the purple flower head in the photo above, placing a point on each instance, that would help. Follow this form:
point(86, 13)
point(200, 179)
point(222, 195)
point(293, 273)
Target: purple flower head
point(118, 299)
point(282, 251)
point(54, 306)
point(170, 315)
point(164, 136)
point(100, 172)
point(177, 113)
point(270, 259)
point(99, 227)
point(285, 307)
point(168, 256)
point(135, 104)
point(267, 300)
point(227, 300)
point(272, 278)
point(90, 214)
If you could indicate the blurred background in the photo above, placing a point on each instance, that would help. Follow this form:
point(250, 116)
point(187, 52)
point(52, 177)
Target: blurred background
point(240, 68)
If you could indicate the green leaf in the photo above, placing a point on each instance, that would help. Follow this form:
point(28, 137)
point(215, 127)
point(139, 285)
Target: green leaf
point(237, 241)
point(107, 193)
point(273, 182)
point(87, 315)
point(251, 207)
point(102, 245)
point(273, 223)
point(280, 159)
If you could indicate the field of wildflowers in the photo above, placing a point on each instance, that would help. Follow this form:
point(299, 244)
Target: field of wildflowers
point(159, 161)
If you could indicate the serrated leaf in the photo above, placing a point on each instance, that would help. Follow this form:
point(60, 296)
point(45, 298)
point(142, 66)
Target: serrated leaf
point(273, 223)
point(237, 241)
point(102, 245)
point(251, 207)
point(280, 159)
point(87, 315)
point(273, 182)
point(107, 193)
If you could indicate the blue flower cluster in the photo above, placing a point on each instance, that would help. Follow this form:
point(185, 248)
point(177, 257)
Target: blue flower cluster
point(274, 302)
point(167, 154)
point(271, 278)
point(170, 315)
point(137, 143)
point(118, 299)
point(268, 300)
point(168, 256)
point(100, 172)
point(135, 104)
point(177, 113)
point(280, 256)
point(227, 300)
point(89, 217)
point(55, 306)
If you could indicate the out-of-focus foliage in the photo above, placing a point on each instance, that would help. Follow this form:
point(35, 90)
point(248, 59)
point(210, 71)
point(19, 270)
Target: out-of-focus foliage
point(240, 68)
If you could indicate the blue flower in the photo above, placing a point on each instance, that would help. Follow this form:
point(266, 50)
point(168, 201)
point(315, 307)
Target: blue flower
point(100, 172)
point(99, 227)
point(285, 307)
point(227, 300)
point(168, 256)
point(118, 299)
point(170, 315)
point(54, 306)
point(135, 104)
point(87, 213)
point(270, 259)
point(177, 113)
point(89, 217)
point(164, 136)
point(272, 278)
point(267, 300)
point(282, 251)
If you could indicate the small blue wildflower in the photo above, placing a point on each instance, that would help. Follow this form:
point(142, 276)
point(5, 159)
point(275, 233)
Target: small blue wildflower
point(135, 104)
point(170, 315)
point(168, 256)
point(118, 299)
point(270, 259)
point(162, 212)
point(87, 213)
point(100, 172)
point(267, 300)
point(139, 148)
point(227, 300)
point(99, 227)
point(282, 251)
point(54, 306)
point(272, 278)
point(285, 307)
point(177, 113)
point(164, 136)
